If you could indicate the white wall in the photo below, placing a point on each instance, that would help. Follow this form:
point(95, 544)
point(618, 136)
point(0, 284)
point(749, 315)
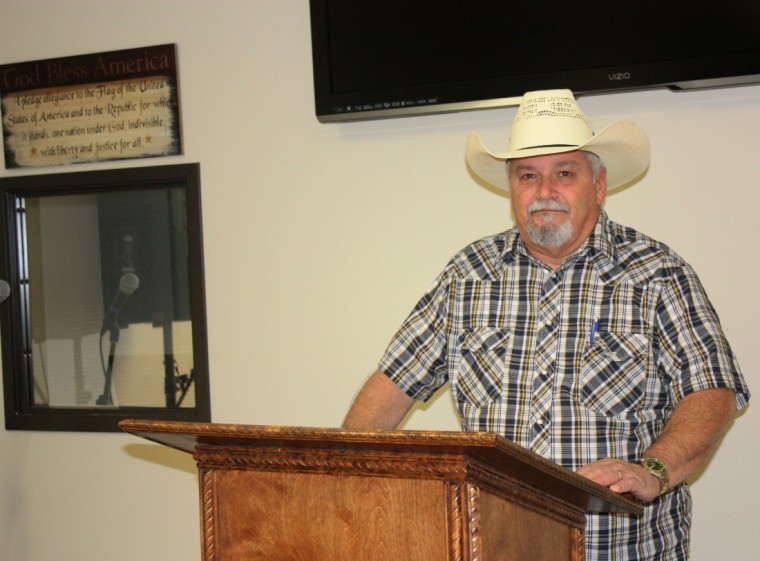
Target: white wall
point(319, 239)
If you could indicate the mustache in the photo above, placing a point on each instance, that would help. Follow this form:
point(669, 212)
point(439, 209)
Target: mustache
point(538, 206)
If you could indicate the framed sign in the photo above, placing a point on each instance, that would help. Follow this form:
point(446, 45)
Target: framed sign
point(91, 108)
point(104, 312)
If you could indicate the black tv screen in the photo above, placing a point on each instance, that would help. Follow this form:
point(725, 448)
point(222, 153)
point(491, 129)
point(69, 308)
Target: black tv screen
point(408, 57)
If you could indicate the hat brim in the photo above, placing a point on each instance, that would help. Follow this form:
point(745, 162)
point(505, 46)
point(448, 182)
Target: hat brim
point(623, 148)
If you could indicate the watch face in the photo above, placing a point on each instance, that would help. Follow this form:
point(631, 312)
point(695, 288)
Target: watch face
point(655, 464)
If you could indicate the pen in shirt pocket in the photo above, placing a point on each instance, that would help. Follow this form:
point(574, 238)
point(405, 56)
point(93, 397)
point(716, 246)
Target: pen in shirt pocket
point(592, 335)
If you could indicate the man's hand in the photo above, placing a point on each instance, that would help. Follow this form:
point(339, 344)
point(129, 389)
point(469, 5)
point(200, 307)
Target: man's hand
point(623, 477)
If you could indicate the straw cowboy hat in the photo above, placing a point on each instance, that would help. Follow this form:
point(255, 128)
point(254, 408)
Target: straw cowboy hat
point(550, 122)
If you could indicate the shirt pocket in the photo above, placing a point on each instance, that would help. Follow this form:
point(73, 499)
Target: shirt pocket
point(481, 369)
point(613, 373)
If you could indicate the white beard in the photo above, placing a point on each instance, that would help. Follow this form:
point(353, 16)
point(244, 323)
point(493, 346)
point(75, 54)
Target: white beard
point(546, 233)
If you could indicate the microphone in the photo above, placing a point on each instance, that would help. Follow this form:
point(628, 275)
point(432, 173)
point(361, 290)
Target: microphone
point(127, 285)
point(5, 290)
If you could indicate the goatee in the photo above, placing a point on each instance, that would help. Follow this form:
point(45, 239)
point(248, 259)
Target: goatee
point(543, 231)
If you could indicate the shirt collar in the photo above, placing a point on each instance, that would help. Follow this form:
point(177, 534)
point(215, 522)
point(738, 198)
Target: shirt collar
point(599, 248)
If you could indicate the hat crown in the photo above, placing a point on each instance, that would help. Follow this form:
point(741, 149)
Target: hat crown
point(549, 118)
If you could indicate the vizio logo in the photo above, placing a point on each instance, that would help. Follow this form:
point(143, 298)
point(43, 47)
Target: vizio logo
point(615, 76)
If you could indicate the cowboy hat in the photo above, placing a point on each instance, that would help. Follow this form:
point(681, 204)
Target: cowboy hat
point(550, 122)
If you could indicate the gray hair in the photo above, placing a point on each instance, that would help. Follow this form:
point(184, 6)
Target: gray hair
point(593, 160)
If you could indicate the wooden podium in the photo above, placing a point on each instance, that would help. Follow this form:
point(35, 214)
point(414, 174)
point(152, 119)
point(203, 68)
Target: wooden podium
point(309, 494)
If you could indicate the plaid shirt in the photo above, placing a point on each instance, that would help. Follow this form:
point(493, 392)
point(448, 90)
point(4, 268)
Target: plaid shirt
point(577, 364)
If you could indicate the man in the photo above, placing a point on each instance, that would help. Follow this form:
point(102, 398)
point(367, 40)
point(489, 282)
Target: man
point(580, 339)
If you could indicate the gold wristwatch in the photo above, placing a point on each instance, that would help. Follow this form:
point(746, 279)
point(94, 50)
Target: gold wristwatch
point(656, 467)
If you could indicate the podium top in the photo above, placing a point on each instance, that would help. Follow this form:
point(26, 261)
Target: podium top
point(489, 451)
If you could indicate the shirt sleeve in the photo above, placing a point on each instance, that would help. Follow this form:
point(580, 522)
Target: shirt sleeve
point(697, 355)
point(416, 357)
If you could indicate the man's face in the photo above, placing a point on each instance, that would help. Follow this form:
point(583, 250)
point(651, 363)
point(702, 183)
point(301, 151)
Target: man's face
point(556, 202)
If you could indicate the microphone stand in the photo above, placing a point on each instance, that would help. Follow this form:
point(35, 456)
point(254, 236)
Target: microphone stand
point(106, 398)
point(174, 382)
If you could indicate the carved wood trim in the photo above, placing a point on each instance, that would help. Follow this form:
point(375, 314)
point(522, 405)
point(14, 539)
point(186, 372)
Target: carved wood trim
point(473, 508)
point(579, 545)
point(343, 462)
point(209, 510)
point(463, 511)
point(455, 520)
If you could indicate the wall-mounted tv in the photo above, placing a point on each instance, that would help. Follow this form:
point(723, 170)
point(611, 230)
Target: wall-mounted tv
point(391, 58)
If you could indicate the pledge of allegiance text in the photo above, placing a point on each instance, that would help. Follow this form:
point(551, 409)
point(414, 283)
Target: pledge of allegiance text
point(127, 119)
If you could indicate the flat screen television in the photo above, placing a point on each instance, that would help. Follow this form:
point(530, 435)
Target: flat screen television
point(392, 58)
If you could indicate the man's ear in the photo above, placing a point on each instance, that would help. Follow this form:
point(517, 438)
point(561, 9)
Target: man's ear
point(601, 186)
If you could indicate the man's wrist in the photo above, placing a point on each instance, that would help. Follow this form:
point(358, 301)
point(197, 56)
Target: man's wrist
point(657, 468)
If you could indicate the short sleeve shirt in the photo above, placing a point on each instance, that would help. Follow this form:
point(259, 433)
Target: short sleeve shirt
point(578, 363)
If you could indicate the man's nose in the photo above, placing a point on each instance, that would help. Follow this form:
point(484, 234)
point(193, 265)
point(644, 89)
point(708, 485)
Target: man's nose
point(547, 188)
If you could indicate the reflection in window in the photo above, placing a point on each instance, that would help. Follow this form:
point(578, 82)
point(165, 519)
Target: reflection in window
point(109, 302)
